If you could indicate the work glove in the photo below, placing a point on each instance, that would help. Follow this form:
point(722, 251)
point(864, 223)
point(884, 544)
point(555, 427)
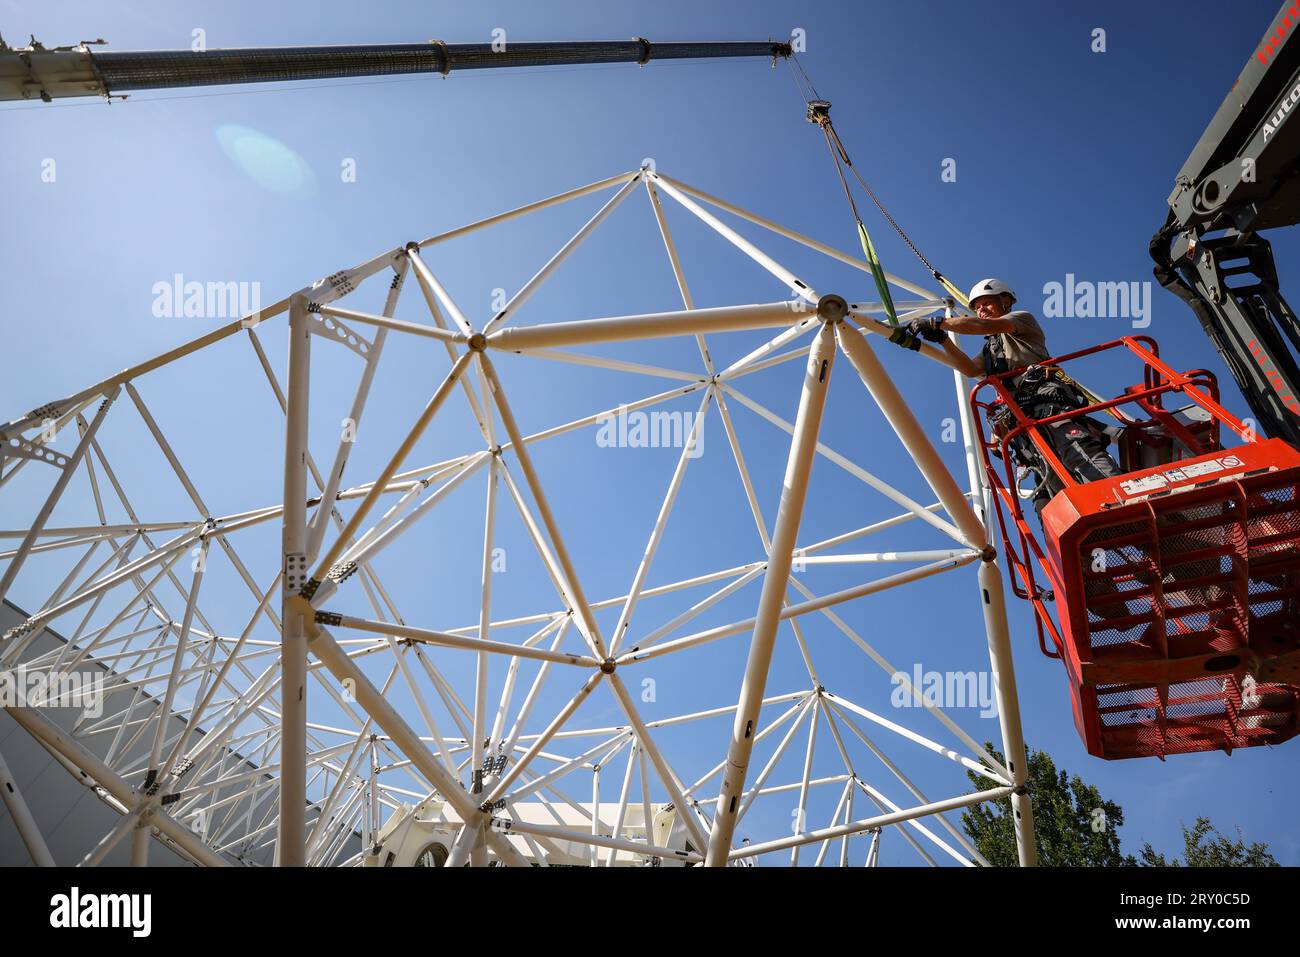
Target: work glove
point(929, 329)
point(903, 336)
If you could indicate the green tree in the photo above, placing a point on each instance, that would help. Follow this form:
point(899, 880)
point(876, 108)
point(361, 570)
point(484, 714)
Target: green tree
point(1218, 852)
point(1074, 825)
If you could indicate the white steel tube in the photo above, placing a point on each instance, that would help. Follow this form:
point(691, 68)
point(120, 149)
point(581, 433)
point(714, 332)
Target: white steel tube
point(291, 840)
point(794, 611)
point(883, 820)
point(801, 823)
point(141, 838)
point(573, 587)
point(884, 488)
point(910, 433)
point(883, 329)
point(376, 489)
point(791, 281)
point(651, 325)
point(396, 325)
point(22, 816)
point(42, 728)
point(531, 208)
point(1004, 688)
point(554, 833)
point(61, 483)
point(484, 630)
point(528, 288)
point(621, 815)
point(803, 709)
point(482, 645)
point(319, 522)
point(803, 447)
point(689, 448)
point(789, 233)
point(432, 288)
point(684, 807)
point(372, 701)
point(1001, 663)
point(125, 824)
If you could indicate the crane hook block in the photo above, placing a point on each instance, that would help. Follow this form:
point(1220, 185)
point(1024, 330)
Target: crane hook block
point(819, 112)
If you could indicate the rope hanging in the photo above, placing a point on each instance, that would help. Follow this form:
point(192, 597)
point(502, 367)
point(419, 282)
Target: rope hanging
point(819, 113)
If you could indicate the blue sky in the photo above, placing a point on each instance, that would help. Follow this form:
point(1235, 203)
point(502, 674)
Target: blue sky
point(1063, 156)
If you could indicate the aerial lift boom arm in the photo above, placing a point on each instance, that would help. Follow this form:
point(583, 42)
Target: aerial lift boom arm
point(1242, 177)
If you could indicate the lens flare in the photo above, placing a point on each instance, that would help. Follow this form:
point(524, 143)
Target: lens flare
point(266, 161)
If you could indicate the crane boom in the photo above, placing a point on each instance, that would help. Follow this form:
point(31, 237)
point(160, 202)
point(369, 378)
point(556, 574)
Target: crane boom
point(38, 72)
point(1244, 176)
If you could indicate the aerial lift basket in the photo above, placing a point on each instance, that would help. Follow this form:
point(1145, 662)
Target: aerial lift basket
point(1176, 583)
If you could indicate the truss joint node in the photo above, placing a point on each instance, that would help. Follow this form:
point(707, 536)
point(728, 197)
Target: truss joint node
point(17, 631)
point(608, 666)
point(832, 308)
point(988, 554)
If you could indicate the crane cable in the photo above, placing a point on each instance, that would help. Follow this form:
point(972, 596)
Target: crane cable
point(819, 113)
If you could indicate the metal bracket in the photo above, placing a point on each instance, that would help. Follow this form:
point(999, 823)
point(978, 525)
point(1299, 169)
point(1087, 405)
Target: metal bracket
point(19, 448)
point(446, 55)
point(341, 572)
point(51, 410)
point(328, 327)
point(295, 571)
point(334, 286)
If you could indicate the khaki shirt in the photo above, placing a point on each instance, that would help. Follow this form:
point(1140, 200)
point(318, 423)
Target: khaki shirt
point(1022, 347)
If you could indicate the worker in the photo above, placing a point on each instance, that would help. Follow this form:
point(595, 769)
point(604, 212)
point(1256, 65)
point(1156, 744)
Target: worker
point(1015, 340)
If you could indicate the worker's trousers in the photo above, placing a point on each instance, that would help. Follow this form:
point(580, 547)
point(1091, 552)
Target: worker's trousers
point(1081, 446)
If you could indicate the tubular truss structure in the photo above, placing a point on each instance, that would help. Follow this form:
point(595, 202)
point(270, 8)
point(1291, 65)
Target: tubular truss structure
point(206, 741)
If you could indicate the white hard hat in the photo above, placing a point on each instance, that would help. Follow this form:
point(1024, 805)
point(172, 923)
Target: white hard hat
point(990, 287)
